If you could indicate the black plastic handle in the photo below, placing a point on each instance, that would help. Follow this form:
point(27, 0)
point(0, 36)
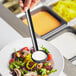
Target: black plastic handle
point(31, 28)
point(23, 1)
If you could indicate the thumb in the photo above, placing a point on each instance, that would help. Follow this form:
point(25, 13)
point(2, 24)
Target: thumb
point(21, 3)
point(27, 4)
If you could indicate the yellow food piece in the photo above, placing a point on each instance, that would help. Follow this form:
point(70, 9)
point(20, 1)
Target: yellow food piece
point(43, 22)
point(66, 9)
point(27, 64)
point(27, 58)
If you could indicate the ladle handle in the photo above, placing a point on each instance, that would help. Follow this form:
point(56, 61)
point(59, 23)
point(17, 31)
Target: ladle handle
point(31, 28)
point(23, 1)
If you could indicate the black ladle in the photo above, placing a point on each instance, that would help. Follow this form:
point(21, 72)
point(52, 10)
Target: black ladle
point(34, 41)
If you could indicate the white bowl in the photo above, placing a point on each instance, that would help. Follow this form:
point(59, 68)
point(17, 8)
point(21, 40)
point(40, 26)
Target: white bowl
point(6, 52)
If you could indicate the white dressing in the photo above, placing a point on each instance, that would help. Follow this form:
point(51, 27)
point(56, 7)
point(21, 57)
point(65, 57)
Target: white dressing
point(39, 55)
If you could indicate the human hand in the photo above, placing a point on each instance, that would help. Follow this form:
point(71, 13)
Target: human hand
point(27, 4)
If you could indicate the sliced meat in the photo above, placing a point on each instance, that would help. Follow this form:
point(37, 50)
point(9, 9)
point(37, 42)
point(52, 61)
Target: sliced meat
point(17, 72)
point(31, 74)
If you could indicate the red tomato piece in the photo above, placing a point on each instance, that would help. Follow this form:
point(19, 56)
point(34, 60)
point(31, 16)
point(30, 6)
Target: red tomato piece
point(25, 48)
point(49, 57)
point(11, 61)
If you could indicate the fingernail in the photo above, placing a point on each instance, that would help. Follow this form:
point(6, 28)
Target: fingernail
point(26, 8)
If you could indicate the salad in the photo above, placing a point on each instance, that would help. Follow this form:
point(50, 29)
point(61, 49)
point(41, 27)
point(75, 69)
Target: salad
point(21, 64)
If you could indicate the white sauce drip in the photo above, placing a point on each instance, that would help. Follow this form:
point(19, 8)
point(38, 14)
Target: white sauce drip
point(39, 55)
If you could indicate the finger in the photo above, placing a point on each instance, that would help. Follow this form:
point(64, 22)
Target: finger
point(33, 3)
point(27, 4)
point(21, 3)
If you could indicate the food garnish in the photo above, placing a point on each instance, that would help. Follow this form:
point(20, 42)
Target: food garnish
point(21, 64)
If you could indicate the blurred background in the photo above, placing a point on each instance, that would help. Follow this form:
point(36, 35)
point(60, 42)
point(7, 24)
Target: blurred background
point(62, 36)
point(65, 8)
point(12, 5)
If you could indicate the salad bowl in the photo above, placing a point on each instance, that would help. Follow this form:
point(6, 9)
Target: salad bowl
point(5, 55)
